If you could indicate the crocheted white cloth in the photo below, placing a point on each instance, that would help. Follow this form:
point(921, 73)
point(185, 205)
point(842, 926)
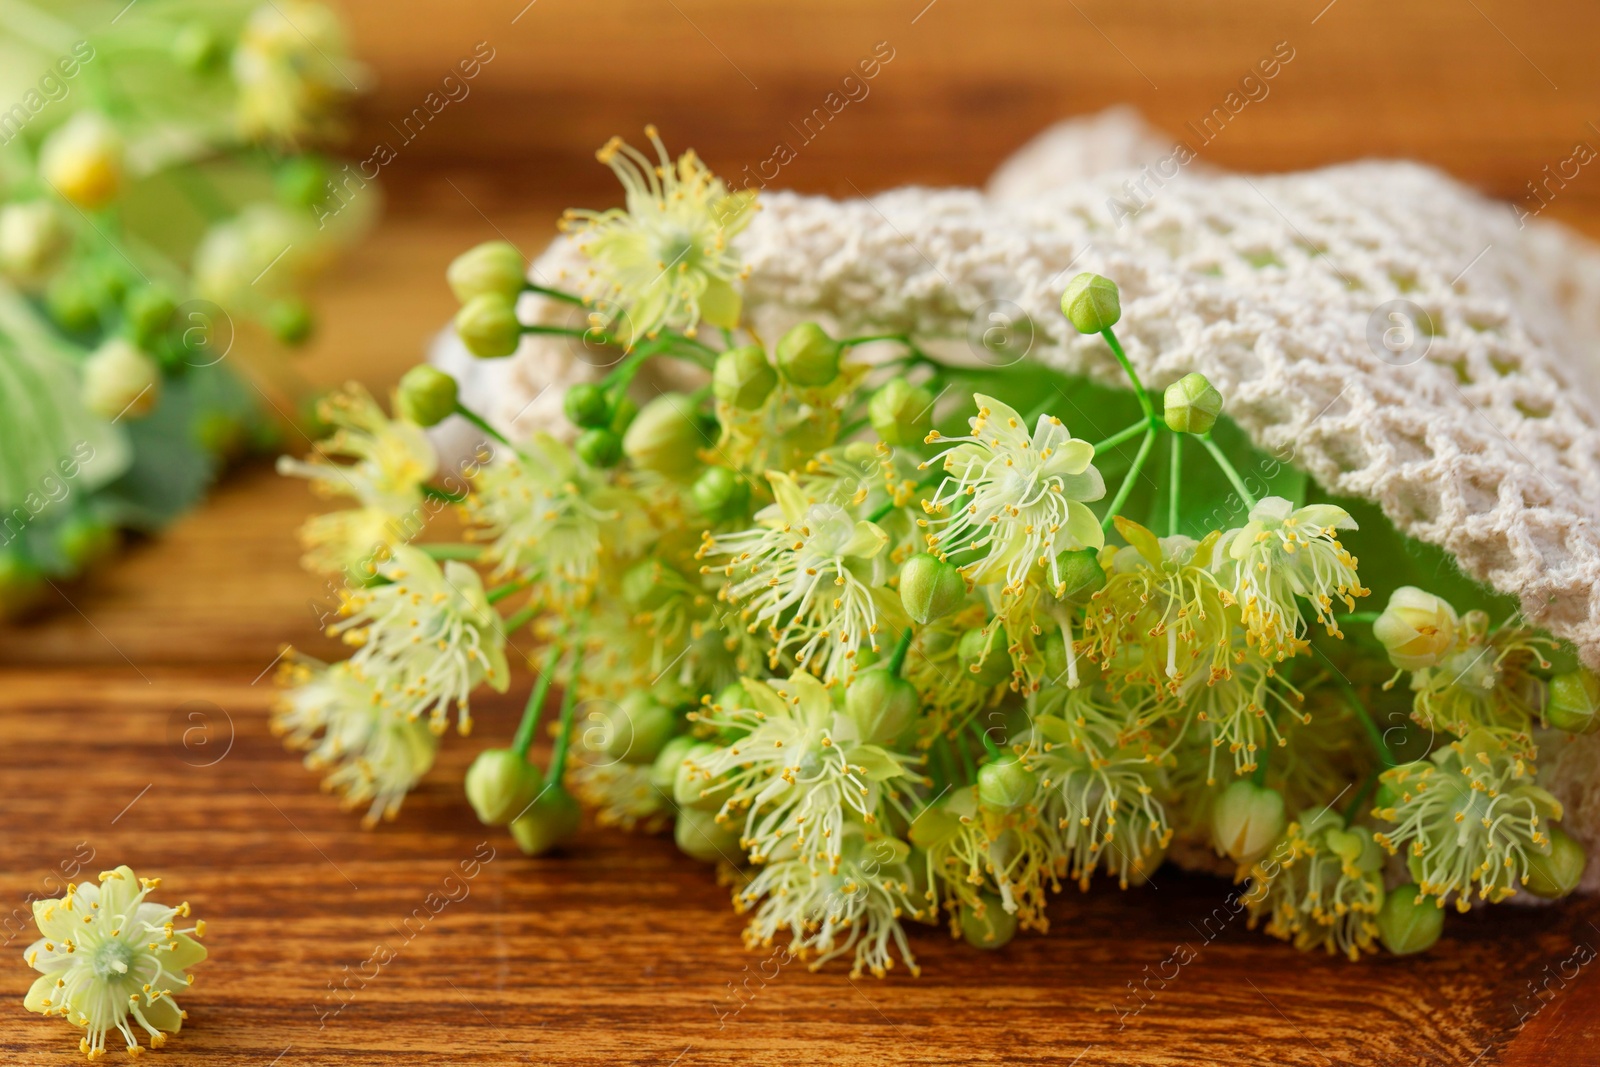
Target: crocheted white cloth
point(1482, 438)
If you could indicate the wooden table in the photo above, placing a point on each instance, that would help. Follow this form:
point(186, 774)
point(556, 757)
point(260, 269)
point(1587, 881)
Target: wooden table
point(133, 714)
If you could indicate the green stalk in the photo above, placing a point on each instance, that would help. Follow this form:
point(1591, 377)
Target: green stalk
point(1174, 475)
point(499, 593)
point(902, 338)
point(557, 294)
point(535, 706)
point(1127, 483)
point(1122, 435)
point(483, 424)
point(1379, 745)
point(435, 493)
point(569, 701)
point(1361, 796)
point(1227, 468)
point(897, 658)
point(1133, 376)
point(520, 618)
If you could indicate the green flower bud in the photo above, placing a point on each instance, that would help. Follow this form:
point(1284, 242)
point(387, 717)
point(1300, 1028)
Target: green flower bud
point(197, 47)
point(623, 414)
point(488, 325)
point(302, 182)
point(501, 784)
point(427, 395)
point(665, 769)
point(587, 406)
point(733, 695)
point(646, 585)
point(1081, 574)
point(600, 448)
point(1246, 821)
point(720, 494)
point(987, 670)
point(72, 303)
point(552, 820)
point(21, 585)
point(633, 730)
point(883, 706)
point(901, 413)
point(1409, 922)
point(743, 378)
point(120, 381)
point(494, 267)
point(701, 837)
point(1091, 303)
point(1004, 783)
point(149, 310)
point(665, 437)
point(1574, 699)
point(1559, 873)
point(84, 540)
point(990, 927)
point(32, 239)
point(1417, 628)
point(930, 588)
point(807, 356)
point(290, 321)
point(689, 781)
point(1191, 404)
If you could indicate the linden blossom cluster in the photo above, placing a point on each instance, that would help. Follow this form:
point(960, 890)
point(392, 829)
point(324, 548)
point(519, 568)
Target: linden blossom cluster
point(884, 673)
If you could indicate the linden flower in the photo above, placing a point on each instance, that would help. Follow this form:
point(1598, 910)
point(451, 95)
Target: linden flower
point(799, 773)
point(1015, 496)
point(288, 69)
point(1283, 553)
point(108, 954)
point(426, 638)
point(392, 460)
point(666, 258)
point(1484, 681)
point(857, 905)
point(1322, 886)
point(969, 853)
point(374, 754)
point(803, 578)
point(550, 517)
point(1470, 817)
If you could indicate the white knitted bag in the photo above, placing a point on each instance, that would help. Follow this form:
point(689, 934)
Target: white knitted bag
point(1482, 438)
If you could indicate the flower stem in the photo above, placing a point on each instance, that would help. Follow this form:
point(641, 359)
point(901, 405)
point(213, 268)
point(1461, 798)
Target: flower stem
point(483, 424)
point(1127, 368)
point(569, 701)
point(1122, 435)
point(897, 658)
point(520, 618)
point(1127, 483)
point(902, 338)
point(435, 493)
point(1379, 745)
point(561, 331)
point(1360, 616)
point(1361, 796)
point(557, 294)
point(535, 706)
point(499, 593)
point(1174, 477)
point(1227, 468)
point(454, 551)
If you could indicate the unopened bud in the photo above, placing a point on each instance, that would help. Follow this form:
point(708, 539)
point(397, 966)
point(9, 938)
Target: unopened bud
point(1409, 922)
point(32, 239)
point(720, 493)
point(633, 730)
point(689, 781)
point(1559, 873)
point(807, 356)
point(1091, 303)
point(930, 588)
point(743, 378)
point(494, 267)
point(427, 395)
point(990, 926)
point(665, 436)
point(665, 769)
point(149, 310)
point(1246, 821)
point(550, 821)
point(984, 657)
point(700, 836)
point(500, 784)
point(901, 413)
point(120, 381)
point(1005, 783)
point(1191, 404)
point(488, 325)
point(883, 706)
point(291, 321)
point(1573, 703)
point(83, 540)
point(586, 405)
point(1081, 574)
point(197, 47)
point(82, 160)
point(1417, 628)
point(600, 448)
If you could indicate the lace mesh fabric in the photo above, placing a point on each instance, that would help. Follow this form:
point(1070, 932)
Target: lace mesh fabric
point(1482, 438)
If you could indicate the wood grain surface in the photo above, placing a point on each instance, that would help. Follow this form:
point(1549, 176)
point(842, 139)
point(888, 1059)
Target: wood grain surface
point(133, 710)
